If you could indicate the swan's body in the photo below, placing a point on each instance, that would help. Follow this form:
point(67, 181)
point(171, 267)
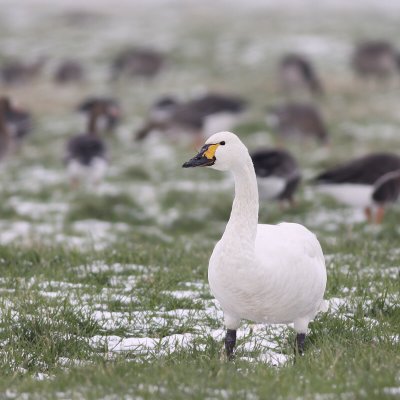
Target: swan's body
point(264, 273)
point(282, 282)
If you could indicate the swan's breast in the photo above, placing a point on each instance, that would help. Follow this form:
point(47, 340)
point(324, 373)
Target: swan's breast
point(231, 279)
point(285, 279)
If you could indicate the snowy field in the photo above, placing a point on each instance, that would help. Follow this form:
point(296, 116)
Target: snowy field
point(104, 293)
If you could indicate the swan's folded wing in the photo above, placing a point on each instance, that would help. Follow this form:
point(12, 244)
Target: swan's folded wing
point(291, 267)
point(289, 247)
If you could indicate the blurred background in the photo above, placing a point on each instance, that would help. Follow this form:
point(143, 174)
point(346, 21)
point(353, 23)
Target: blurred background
point(102, 102)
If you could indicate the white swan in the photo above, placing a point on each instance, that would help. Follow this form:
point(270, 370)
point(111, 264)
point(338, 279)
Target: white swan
point(264, 273)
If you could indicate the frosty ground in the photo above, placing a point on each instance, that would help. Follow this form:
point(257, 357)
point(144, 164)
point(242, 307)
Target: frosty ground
point(104, 294)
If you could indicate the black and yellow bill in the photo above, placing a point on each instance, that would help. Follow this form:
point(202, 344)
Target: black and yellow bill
point(204, 158)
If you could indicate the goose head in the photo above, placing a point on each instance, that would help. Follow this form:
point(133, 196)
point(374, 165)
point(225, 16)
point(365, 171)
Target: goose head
point(222, 151)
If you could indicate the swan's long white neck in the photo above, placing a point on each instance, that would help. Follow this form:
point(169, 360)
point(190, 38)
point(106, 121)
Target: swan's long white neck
point(242, 225)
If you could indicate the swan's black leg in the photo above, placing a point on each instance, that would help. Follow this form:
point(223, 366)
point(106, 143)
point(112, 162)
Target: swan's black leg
point(299, 344)
point(230, 342)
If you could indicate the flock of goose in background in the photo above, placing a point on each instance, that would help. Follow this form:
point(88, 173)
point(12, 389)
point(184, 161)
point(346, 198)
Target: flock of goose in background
point(371, 182)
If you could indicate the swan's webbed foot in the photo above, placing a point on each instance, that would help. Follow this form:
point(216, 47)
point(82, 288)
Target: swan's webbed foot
point(230, 342)
point(299, 344)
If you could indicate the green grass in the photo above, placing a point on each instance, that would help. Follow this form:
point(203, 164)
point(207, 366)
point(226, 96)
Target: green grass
point(87, 276)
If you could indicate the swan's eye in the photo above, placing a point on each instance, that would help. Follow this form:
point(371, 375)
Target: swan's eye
point(222, 143)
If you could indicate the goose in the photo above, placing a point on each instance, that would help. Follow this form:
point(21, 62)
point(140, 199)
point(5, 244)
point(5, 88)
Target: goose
point(139, 61)
point(297, 120)
point(16, 124)
point(5, 137)
point(199, 116)
point(163, 109)
point(375, 59)
point(370, 182)
point(19, 122)
point(296, 72)
point(108, 112)
point(171, 117)
point(278, 174)
point(69, 71)
point(86, 155)
point(15, 72)
point(272, 274)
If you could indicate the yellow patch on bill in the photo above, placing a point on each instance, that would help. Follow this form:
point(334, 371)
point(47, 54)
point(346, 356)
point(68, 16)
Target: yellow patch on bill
point(210, 152)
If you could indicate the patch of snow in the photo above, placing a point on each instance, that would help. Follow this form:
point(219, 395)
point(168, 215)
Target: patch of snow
point(183, 294)
point(336, 304)
point(393, 391)
point(117, 268)
point(37, 210)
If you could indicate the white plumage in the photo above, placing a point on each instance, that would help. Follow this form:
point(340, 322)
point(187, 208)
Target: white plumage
point(264, 273)
point(90, 174)
point(283, 281)
point(351, 194)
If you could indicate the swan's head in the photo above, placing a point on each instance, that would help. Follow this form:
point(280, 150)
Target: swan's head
point(222, 151)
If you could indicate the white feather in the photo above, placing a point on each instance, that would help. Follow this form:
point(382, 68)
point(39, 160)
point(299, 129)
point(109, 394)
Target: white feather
point(351, 194)
point(283, 283)
point(264, 273)
point(90, 174)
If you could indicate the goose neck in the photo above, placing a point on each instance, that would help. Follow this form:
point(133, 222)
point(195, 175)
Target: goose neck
point(92, 123)
point(3, 123)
